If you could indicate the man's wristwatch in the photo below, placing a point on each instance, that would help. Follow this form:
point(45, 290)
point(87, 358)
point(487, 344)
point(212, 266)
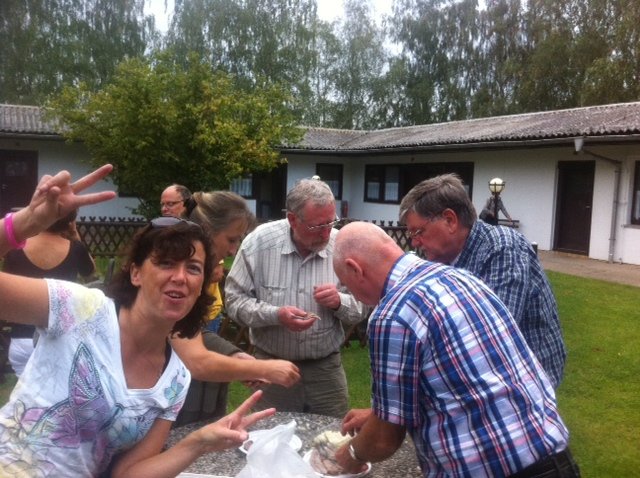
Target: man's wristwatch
point(352, 453)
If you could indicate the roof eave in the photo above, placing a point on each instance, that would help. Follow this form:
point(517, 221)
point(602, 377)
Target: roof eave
point(31, 136)
point(504, 144)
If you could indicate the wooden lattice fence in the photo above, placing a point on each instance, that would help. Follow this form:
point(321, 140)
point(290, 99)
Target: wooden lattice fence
point(397, 232)
point(106, 237)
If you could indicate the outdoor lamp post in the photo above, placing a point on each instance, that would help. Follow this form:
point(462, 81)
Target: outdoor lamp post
point(496, 186)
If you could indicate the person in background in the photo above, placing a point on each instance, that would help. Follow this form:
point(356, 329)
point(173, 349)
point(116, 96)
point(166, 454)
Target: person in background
point(103, 382)
point(442, 223)
point(214, 319)
point(175, 201)
point(212, 360)
point(283, 287)
point(50, 254)
point(492, 208)
point(450, 366)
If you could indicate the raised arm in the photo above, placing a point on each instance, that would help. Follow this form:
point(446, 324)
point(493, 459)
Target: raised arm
point(25, 300)
point(503, 209)
point(54, 197)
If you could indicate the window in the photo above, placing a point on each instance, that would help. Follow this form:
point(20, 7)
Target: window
point(243, 186)
point(332, 175)
point(382, 183)
point(635, 208)
point(389, 183)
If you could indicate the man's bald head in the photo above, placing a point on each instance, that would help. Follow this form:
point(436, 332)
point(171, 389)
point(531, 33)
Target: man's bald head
point(363, 255)
point(361, 239)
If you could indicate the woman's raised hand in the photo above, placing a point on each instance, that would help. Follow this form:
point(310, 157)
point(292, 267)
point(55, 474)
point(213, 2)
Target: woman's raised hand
point(55, 197)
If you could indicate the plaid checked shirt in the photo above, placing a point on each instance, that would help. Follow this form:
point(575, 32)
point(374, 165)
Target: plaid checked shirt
point(506, 262)
point(450, 364)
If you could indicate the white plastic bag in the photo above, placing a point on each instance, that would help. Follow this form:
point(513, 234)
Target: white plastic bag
point(270, 456)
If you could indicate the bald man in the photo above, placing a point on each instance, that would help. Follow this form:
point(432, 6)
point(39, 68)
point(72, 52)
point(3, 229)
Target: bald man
point(450, 366)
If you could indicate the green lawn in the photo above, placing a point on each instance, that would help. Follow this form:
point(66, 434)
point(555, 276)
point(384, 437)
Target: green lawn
point(600, 396)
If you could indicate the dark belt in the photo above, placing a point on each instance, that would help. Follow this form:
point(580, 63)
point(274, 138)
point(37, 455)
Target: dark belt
point(259, 351)
point(560, 465)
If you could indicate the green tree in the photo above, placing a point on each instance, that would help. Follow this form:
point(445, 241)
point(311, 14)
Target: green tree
point(46, 45)
point(550, 79)
point(499, 58)
point(358, 67)
point(610, 32)
point(459, 61)
point(254, 40)
point(439, 40)
point(161, 122)
point(319, 110)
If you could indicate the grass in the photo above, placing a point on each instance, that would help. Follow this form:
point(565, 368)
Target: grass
point(356, 364)
point(599, 397)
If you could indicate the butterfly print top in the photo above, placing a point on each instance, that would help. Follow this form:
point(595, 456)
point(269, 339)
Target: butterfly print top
point(71, 410)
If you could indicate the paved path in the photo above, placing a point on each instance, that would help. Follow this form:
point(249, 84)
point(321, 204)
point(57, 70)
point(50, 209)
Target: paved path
point(583, 267)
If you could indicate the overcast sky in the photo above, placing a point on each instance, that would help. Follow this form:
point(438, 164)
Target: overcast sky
point(327, 10)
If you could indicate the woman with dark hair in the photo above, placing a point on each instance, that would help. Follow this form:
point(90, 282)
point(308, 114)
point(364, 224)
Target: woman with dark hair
point(103, 385)
point(52, 254)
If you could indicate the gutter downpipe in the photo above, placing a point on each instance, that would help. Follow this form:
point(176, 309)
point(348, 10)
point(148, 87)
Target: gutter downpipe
point(614, 211)
point(616, 193)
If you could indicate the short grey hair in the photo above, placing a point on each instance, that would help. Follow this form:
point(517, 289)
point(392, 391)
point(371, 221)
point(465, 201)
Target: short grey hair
point(432, 196)
point(306, 191)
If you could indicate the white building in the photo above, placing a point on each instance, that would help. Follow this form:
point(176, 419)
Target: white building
point(585, 202)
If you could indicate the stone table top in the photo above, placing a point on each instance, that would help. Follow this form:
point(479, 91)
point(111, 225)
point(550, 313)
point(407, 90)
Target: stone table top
point(403, 464)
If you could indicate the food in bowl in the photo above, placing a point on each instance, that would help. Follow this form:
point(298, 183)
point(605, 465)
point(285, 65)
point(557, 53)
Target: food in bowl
point(323, 453)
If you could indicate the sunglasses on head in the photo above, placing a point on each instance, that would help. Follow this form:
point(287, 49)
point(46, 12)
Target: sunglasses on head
point(168, 221)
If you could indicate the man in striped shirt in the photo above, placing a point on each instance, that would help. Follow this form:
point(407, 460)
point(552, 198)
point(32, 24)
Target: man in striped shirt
point(450, 366)
point(442, 223)
point(283, 287)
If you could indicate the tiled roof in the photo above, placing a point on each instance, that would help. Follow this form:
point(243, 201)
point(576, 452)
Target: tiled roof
point(25, 120)
point(605, 121)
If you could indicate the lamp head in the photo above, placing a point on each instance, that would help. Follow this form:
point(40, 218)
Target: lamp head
point(496, 185)
point(578, 143)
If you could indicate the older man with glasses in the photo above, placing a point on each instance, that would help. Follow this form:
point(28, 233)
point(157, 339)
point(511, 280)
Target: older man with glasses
point(442, 223)
point(174, 201)
point(283, 287)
